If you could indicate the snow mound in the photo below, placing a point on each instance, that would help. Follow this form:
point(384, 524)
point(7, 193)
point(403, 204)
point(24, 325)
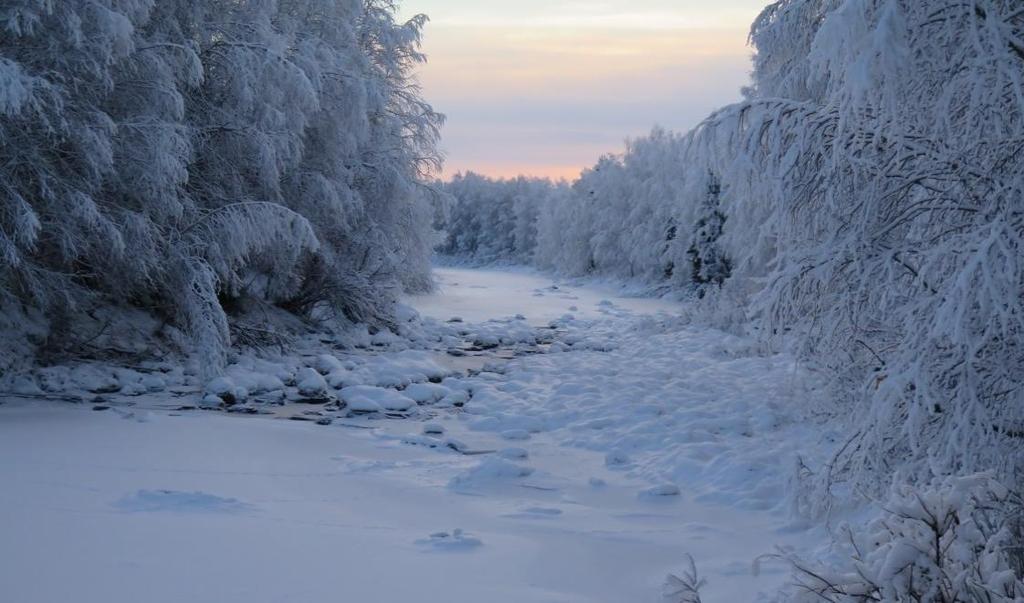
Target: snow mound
point(326, 364)
point(493, 333)
point(490, 471)
point(426, 393)
point(311, 384)
point(224, 389)
point(516, 434)
point(514, 454)
point(398, 369)
point(367, 398)
point(145, 501)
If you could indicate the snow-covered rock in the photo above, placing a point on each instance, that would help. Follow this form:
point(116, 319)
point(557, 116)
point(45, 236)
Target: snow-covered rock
point(325, 364)
point(154, 383)
point(367, 398)
point(426, 393)
point(226, 390)
point(311, 384)
point(26, 385)
point(455, 398)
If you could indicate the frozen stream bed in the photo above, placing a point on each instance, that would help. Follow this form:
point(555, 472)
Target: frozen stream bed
point(601, 442)
point(478, 295)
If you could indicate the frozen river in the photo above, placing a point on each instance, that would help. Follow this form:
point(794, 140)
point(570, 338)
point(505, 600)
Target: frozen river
point(590, 473)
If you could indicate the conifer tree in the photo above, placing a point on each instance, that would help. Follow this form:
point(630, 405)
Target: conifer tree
point(708, 263)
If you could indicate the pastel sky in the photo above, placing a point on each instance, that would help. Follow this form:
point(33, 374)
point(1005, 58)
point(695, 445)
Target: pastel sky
point(545, 87)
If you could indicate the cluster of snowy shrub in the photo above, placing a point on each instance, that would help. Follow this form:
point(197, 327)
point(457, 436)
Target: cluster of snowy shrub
point(952, 540)
point(180, 155)
point(949, 541)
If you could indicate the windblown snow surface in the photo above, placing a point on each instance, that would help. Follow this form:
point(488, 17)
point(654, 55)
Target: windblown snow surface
point(574, 453)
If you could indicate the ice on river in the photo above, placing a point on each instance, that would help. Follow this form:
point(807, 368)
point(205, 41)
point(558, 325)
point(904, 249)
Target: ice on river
point(478, 295)
point(580, 468)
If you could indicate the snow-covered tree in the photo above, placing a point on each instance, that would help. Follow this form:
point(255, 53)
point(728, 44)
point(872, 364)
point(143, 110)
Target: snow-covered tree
point(709, 264)
point(178, 154)
point(876, 177)
point(57, 145)
point(495, 220)
point(633, 200)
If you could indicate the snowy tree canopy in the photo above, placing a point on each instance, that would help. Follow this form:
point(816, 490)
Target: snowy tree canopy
point(878, 159)
point(173, 154)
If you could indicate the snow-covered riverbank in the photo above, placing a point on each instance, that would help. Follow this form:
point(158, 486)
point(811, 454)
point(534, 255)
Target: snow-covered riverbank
point(579, 469)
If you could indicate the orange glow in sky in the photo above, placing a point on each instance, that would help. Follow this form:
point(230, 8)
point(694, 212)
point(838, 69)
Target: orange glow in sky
point(545, 87)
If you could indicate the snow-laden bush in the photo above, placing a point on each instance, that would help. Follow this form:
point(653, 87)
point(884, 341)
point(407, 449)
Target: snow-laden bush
point(181, 153)
point(957, 540)
point(684, 587)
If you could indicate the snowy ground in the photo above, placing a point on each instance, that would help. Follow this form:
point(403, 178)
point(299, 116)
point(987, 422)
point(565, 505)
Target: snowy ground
point(575, 453)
